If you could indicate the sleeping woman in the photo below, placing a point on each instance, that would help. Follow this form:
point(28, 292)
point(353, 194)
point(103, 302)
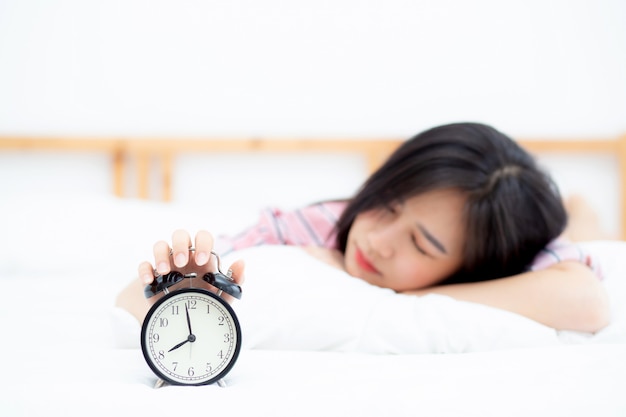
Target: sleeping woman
point(460, 210)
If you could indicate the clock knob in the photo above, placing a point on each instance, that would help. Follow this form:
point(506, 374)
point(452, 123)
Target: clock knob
point(162, 282)
point(223, 283)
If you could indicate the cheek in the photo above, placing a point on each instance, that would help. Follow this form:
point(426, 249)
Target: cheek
point(413, 273)
point(349, 263)
point(358, 229)
point(362, 220)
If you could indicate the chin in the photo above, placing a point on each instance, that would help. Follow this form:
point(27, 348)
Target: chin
point(362, 275)
point(375, 283)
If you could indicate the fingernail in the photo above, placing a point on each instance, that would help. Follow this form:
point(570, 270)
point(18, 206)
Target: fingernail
point(147, 278)
point(201, 258)
point(180, 260)
point(162, 268)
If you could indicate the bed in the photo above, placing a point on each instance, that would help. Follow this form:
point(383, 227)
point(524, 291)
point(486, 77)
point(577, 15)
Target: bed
point(68, 351)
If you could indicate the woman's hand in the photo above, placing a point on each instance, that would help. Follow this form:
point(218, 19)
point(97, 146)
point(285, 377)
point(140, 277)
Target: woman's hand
point(181, 259)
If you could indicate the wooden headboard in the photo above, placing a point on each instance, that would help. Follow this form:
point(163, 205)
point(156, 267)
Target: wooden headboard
point(146, 154)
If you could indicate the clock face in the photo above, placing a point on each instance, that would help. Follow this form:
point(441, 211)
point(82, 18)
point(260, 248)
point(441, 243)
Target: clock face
point(191, 337)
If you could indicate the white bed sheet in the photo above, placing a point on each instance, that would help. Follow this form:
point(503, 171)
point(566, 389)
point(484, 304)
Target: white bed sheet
point(565, 381)
point(62, 357)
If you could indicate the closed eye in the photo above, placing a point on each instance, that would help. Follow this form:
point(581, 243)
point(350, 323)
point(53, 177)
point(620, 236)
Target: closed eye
point(436, 243)
point(417, 246)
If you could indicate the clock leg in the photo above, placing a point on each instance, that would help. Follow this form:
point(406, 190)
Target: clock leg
point(159, 383)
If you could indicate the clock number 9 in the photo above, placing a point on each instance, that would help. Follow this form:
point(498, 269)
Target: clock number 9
point(155, 338)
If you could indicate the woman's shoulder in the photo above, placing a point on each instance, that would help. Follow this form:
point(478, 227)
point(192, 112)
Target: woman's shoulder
point(331, 209)
point(311, 225)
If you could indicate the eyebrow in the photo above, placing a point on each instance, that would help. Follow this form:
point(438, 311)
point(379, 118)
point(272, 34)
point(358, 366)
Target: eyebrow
point(432, 239)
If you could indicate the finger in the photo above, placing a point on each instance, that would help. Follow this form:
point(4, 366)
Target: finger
point(181, 242)
point(204, 246)
point(238, 268)
point(162, 257)
point(146, 272)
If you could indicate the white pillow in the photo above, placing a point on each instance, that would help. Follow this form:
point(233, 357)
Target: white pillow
point(293, 301)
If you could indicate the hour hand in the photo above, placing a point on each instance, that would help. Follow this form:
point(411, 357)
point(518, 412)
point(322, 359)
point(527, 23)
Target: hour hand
point(190, 338)
point(179, 345)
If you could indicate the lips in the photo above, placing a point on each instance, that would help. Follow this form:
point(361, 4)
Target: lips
point(363, 262)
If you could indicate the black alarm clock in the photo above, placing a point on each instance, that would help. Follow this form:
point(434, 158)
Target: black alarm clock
point(191, 336)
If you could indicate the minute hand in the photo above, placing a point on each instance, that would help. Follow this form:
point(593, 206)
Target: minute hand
point(188, 319)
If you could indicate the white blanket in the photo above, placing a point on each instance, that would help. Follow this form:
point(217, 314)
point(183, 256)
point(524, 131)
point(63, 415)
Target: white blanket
point(294, 301)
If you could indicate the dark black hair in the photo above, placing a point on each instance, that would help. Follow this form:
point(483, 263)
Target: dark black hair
point(513, 208)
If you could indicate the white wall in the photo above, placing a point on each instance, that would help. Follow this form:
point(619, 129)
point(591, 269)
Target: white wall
point(335, 67)
point(544, 68)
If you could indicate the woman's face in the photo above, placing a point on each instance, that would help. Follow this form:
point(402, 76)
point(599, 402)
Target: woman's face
point(410, 245)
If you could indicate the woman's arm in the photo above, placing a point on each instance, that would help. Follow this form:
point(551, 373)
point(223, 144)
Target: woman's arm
point(565, 296)
point(131, 299)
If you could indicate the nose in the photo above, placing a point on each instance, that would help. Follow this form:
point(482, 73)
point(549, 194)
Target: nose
point(382, 241)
